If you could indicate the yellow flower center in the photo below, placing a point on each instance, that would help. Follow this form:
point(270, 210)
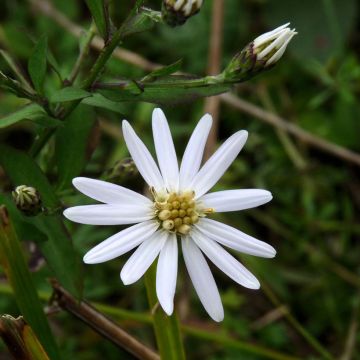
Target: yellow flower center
point(177, 212)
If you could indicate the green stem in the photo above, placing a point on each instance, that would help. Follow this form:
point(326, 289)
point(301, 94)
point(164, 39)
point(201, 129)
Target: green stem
point(88, 81)
point(315, 344)
point(83, 53)
point(167, 330)
point(231, 343)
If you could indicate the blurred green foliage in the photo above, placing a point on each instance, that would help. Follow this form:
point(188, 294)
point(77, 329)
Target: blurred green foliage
point(313, 220)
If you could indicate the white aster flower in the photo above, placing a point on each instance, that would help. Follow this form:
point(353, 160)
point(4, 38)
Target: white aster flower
point(272, 45)
point(178, 210)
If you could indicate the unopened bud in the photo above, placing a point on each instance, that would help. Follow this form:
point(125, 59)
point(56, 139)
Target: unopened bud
point(176, 12)
point(122, 170)
point(27, 200)
point(260, 54)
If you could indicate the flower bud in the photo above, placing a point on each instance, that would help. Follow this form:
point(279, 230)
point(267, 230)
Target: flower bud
point(260, 54)
point(27, 200)
point(176, 12)
point(122, 170)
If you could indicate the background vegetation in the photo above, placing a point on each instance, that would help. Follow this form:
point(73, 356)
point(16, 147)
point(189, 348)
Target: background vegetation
point(308, 306)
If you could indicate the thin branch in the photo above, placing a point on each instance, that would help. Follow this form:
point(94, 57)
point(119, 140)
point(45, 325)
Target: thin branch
point(83, 54)
point(289, 147)
point(280, 123)
point(350, 344)
point(310, 339)
point(212, 104)
point(104, 326)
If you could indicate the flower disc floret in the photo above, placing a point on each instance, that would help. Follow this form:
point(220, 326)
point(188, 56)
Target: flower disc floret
point(177, 211)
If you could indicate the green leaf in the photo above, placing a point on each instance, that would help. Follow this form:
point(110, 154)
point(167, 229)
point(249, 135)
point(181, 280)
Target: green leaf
point(141, 21)
point(30, 112)
point(164, 71)
point(97, 100)
point(15, 68)
point(48, 121)
point(58, 249)
point(71, 151)
point(33, 112)
point(97, 9)
point(68, 94)
point(37, 64)
point(14, 263)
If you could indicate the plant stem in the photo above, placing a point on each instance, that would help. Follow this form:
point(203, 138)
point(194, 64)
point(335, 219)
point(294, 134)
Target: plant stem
point(83, 54)
point(225, 341)
point(96, 69)
point(101, 324)
point(297, 325)
point(167, 331)
point(197, 333)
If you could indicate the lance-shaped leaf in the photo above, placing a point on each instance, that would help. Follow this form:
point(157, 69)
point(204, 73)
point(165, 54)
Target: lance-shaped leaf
point(13, 261)
point(68, 94)
point(32, 112)
point(99, 101)
point(100, 16)
point(29, 112)
point(20, 339)
point(37, 64)
point(163, 71)
point(15, 69)
point(71, 151)
point(58, 249)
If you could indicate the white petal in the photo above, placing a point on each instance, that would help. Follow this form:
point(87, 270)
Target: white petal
point(215, 167)
point(108, 193)
point(193, 154)
point(202, 279)
point(225, 262)
point(235, 239)
point(281, 51)
point(276, 44)
point(142, 157)
point(109, 214)
point(270, 35)
point(143, 257)
point(235, 200)
point(121, 243)
point(166, 274)
point(165, 150)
